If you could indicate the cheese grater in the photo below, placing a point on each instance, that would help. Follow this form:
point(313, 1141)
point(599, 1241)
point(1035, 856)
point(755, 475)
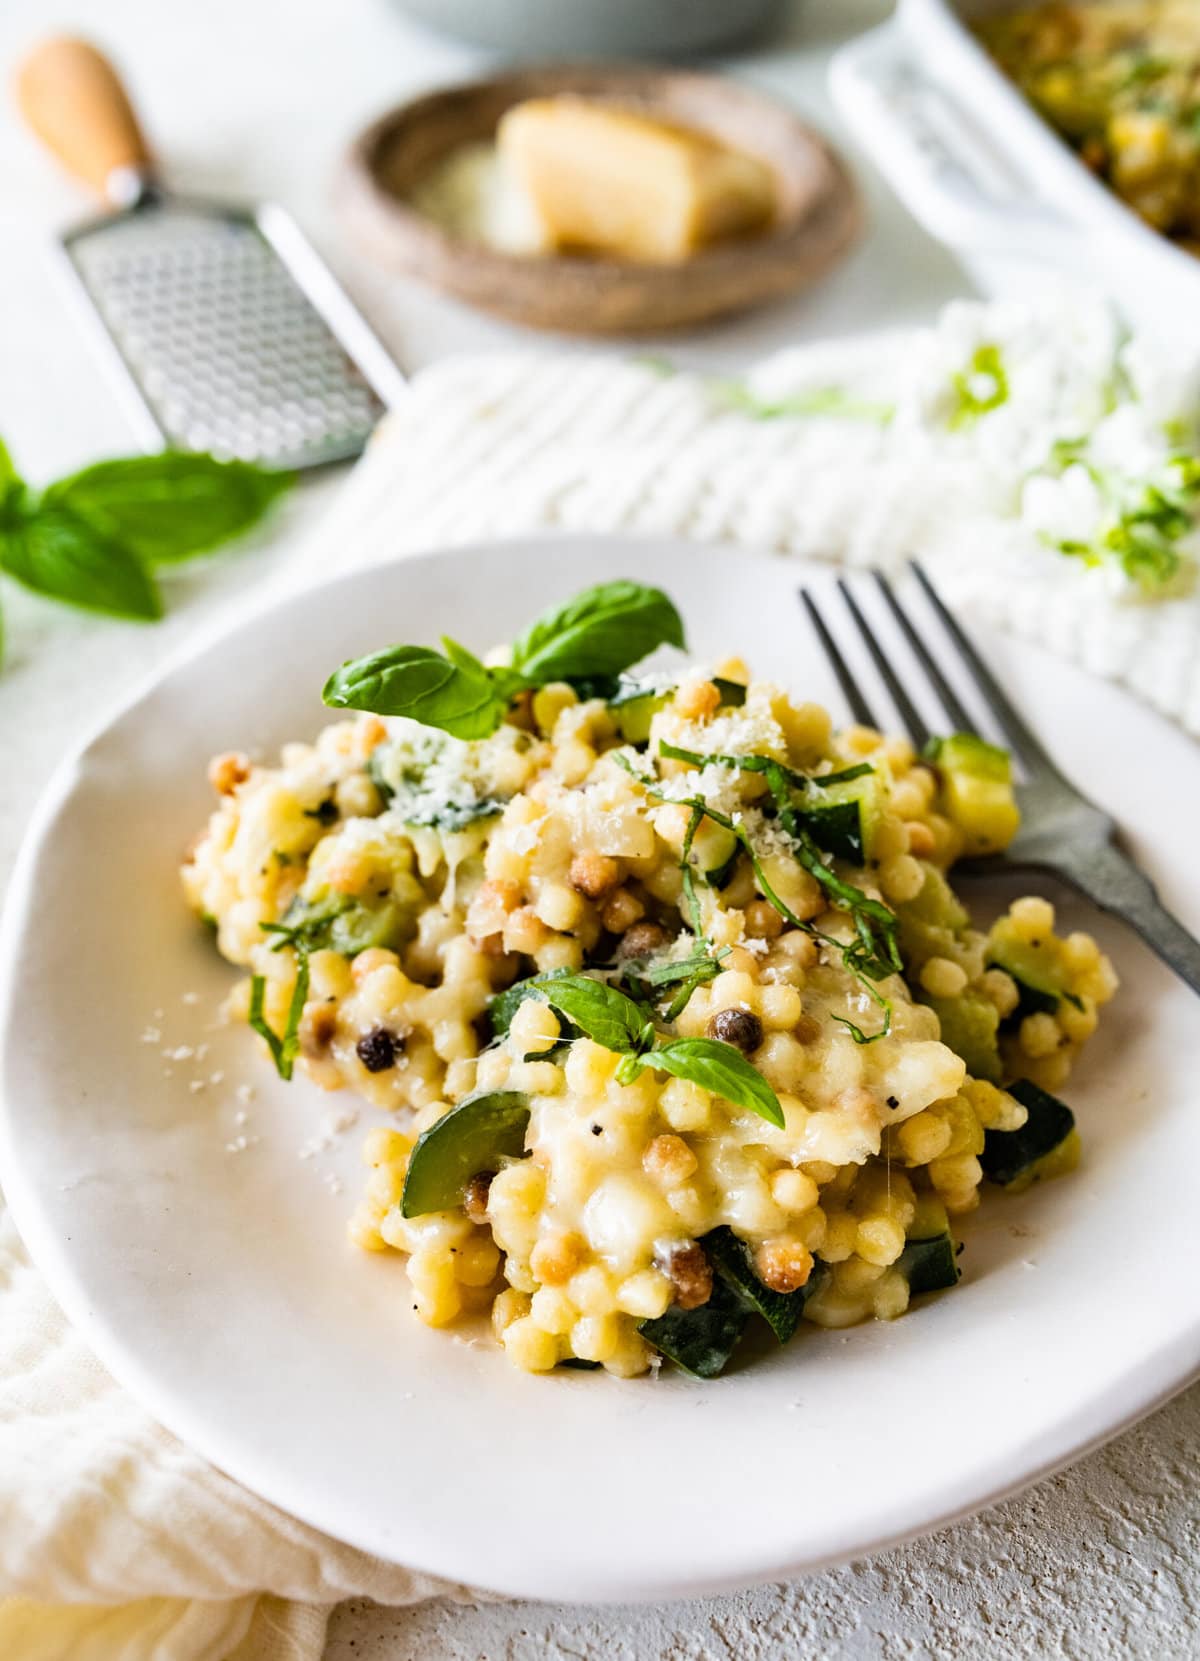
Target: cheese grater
point(224, 329)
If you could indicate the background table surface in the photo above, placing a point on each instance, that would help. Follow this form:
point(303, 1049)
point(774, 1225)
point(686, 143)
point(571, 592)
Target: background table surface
point(258, 98)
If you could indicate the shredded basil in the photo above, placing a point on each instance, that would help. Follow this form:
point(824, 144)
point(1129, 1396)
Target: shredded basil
point(875, 953)
point(283, 1050)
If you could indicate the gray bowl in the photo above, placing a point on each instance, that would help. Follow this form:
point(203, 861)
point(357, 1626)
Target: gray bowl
point(597, 28)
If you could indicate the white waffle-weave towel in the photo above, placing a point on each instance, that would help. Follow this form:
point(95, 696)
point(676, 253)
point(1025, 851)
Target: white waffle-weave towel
point(499, 445)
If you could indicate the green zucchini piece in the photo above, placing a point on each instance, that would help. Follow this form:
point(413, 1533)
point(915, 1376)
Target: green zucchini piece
point(929, 1260)
point(1031, 1000)
point(929, 1265)
point(734, 1263)
point(1035, 967)
point(700, 1341)
point(719, 876)
point(930, 923)
point(843, 817)
point(969, 1025)
point(634, 706)
point(1046, 1144)
point(475, 1136)
point(733, 693)
point(977, 791)
point(344, 925)
point(721, 853)
point(633, 712)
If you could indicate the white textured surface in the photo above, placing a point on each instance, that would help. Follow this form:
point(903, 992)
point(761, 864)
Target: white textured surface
point(1100, 1563)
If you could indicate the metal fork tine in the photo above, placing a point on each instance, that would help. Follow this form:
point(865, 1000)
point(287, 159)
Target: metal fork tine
point(1027, 745)
point(909, 713)
point(859, 707)
point(951, 702)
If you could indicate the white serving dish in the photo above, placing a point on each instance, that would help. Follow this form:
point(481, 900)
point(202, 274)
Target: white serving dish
point(216, 1283)
point(982, 172)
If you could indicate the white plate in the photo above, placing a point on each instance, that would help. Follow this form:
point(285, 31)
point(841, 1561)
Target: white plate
point(218, 1285)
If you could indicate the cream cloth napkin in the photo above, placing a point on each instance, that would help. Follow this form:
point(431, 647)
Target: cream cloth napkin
point(116, 1542)
point(119, 1544)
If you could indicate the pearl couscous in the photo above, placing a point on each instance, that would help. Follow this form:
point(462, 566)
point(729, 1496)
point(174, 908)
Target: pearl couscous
point(665, 986)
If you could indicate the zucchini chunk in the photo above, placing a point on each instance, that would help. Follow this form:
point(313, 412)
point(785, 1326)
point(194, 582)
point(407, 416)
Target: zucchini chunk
point(970, 1024)
point(929, 1260)
point(717, 855)
point(700, 1341)
point(977, 791)
point(339, 924)
point(732, 1260)
point(930, 922)
point(635, 705)
point(475, 1136)
point(1034, 966)
point(842, 817)
point(720, 876)
point(1047, 1144)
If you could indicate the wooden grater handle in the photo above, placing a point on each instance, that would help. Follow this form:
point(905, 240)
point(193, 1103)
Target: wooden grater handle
point(72, 98)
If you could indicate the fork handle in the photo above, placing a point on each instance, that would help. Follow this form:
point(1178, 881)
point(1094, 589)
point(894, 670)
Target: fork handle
point(1114, 883)
point(73, 99)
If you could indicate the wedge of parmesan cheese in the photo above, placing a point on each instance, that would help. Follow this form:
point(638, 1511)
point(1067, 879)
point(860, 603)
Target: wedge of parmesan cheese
point(606, 180)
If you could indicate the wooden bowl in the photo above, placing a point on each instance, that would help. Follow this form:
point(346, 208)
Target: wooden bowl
point(819, 213)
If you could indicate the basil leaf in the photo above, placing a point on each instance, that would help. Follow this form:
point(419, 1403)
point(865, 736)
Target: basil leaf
point(721, 1069)
point(169, 506)
point(599, 632)
point(57, 554)
point(283, 1050)
point(599, 1011)
point(11, 483)
point(459, 697)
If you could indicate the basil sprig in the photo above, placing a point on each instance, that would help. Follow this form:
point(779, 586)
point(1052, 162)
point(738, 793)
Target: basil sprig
point(591, 638)
point(92, 539)
point(626, 1027)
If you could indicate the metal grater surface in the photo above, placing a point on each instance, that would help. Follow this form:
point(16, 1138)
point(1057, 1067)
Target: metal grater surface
point(226, 349)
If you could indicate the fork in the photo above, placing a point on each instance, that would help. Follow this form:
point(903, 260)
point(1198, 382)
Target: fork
point(1061, 831)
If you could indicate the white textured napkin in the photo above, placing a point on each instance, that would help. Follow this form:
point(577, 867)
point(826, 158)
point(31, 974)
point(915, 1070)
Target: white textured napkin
point(116, 1542)
point(500, 445)
point(119, 1544)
